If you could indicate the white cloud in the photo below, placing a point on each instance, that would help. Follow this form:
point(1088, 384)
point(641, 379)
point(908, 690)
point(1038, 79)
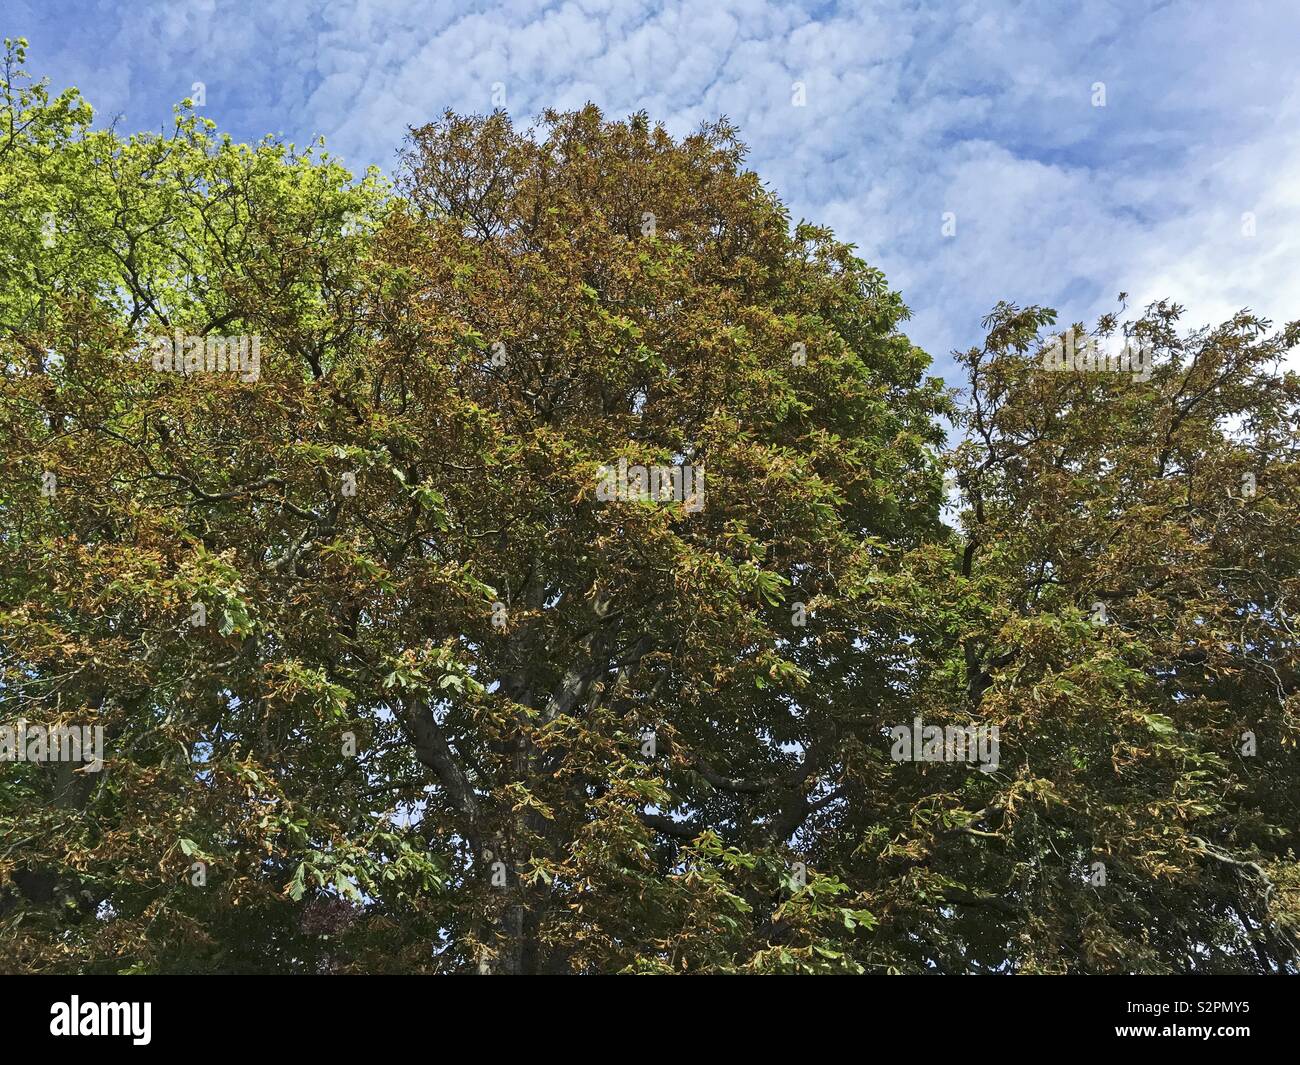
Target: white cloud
point(980, 108)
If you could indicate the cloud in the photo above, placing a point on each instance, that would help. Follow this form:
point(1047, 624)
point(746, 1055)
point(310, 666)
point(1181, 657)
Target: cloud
point(984, 109)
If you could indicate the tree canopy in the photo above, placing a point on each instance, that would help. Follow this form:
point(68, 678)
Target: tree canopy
point(388, 685)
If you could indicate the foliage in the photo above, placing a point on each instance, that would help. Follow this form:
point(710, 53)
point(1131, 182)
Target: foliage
point(469, 717)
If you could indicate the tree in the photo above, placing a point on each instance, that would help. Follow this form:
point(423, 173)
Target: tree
point(401, 670)
point(1123, 608)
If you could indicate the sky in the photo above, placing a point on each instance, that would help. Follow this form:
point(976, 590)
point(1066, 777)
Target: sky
point(1049, 153)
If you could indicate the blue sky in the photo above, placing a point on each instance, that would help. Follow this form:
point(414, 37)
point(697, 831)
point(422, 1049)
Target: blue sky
point(983, 109)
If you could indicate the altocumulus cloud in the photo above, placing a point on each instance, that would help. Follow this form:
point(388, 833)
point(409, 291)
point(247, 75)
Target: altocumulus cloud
point(1183, 185)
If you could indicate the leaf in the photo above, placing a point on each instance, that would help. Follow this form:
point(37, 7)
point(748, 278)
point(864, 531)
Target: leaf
point(298, 885)
point(1159, 723)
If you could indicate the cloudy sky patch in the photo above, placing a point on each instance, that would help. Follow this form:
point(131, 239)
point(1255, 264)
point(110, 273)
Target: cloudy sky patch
point(1185, 185)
